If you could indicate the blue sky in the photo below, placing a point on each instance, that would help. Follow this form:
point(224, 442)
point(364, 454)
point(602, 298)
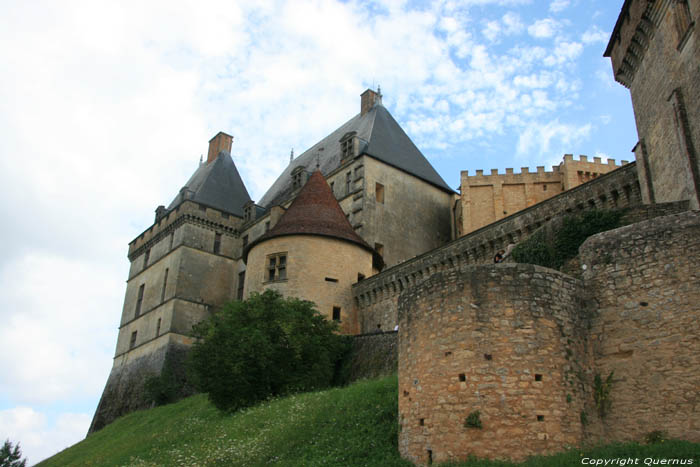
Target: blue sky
point(105, 109)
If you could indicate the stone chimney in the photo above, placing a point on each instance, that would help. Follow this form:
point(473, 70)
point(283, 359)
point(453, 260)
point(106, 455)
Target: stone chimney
point(368, 99)
point(220, 142)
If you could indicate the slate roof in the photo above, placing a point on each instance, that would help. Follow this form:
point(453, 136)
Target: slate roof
point(381, 137)
point(315, 211)
point(218, 185)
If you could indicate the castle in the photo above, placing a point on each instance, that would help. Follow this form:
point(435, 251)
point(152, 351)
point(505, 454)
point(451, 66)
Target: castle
point(362, 225)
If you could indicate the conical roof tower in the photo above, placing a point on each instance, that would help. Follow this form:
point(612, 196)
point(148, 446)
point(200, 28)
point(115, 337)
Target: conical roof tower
point(315, 211)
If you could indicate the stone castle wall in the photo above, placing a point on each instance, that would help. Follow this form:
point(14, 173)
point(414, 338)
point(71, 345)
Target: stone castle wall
point(488, 198)
point(376, 298)
point(522, 344)
point(646, 280)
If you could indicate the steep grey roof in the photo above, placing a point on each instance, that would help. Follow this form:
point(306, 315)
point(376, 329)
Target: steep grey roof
point(217, 185)
point(382, 138)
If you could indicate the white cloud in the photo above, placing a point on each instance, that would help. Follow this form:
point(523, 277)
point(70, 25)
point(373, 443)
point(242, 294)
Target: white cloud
point(564, 52)
point(559, 5)
point(544, 28)
point(595, 35)
point(38, 436)
point(542, 139)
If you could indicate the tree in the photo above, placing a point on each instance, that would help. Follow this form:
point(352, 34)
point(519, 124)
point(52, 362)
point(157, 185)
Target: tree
point(11, 457)
point(264, 346)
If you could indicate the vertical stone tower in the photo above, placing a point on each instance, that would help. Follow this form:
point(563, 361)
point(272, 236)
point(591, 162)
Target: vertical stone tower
point(182, 267)
point(312, 253)
point(655, 53)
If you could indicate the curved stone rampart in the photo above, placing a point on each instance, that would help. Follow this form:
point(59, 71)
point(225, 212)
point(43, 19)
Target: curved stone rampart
point(646, 279)
point(506, 341)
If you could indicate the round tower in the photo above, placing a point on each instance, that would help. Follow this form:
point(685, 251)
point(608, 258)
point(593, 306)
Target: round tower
point(312, 253)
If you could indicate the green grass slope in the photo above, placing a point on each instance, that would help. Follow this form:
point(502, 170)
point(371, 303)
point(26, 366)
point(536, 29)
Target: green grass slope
point(352, 426)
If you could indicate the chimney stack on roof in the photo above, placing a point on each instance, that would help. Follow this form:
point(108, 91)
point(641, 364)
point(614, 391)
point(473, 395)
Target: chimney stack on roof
point(368, 99)
point(220, 142)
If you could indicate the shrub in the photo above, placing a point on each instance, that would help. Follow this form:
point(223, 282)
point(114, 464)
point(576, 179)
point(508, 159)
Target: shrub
point(473, 420)
point(601, 393)
point(262, 347)
point(554, 245)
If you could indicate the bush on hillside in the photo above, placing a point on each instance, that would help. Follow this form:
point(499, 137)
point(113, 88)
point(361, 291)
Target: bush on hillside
point(264, 346)
point(554, 246)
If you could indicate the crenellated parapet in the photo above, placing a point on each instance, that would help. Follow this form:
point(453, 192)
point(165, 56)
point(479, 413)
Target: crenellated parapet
point(376, 297)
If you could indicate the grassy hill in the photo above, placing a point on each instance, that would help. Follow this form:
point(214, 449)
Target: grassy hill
point(352, 426)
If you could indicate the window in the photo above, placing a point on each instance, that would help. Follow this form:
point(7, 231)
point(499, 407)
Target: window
point(165, 283)
point(139, 301)
point(146, 256)
point(346, 148)
point(336, 313)
point(379, 193)
point(267, 226)
point(332, 190)
point(158, 328)
point(360, 277)
point(544, 187)
point(348, 183)
point(297, 179)
point(172, 239)
point(245, 241)
point(217, 243)
point(241, 284)
point(277, 267)
point(132, 342)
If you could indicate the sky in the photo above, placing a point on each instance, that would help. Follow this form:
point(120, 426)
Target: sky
point(106, 107)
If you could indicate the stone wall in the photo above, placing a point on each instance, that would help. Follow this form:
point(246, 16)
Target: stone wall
point(487, 198)
point(373, 355)
point(646, 279)
point(505, 340)
point(376, 297)
point(522, 345)
point(125, 388)
point(655, 52)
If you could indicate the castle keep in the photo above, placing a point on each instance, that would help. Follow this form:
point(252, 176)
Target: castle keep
point(514, 348)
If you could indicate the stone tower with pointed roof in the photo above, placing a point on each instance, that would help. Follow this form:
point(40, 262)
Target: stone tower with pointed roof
point(312, 253)
point(182, 268)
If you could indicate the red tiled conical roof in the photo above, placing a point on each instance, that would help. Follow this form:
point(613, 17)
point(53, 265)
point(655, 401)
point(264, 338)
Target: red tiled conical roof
point(315, 211)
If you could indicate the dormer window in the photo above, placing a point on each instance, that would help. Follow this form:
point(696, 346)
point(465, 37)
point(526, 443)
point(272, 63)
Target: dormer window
point(248, 211)
point(346, 145)
point(297, 177)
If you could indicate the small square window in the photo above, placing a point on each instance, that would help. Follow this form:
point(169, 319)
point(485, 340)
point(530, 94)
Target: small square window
point(538, 377)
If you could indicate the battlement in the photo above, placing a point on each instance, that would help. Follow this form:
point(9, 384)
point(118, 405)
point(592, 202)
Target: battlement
point(540, 169)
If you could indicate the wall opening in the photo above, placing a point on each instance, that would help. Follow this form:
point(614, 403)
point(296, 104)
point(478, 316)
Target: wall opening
point(139, 301)
point(421, 422)
point(540, 418)
point(165, 284)
point(217, 243)
point(462, 376)
point(336, 313)
point(146, 256)
point(379, 193)
point(538, 377)
point(241, 285)
point(158, 327)
point(488, 356)
point(132, 341)
point(331, 279)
